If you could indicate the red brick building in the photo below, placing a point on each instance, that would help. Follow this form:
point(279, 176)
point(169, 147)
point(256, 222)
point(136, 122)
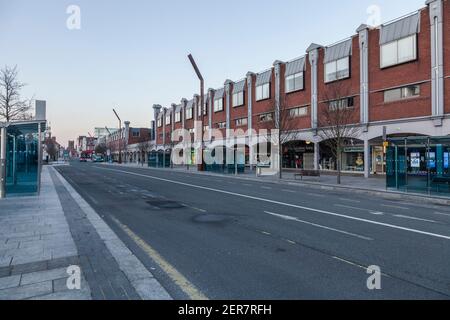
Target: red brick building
point(396, 78)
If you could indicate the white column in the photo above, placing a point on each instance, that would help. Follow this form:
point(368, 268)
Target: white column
point(366, 159)
point(316, 155)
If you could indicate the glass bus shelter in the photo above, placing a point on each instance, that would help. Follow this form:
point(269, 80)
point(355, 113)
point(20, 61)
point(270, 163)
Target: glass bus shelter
point(22, 162)
point(419, 165)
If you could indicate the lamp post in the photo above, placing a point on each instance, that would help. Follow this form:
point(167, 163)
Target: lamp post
point(202, 88)
point(120, 136)
point(3, 142)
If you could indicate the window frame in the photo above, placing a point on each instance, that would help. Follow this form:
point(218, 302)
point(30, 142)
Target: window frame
point(178, 117)
point(398, 61)
point(347, 106)
point(189, 113)
point(266, 114)
point(168, 119)
point(294, 76)
point(262, 86)
point(238, 102)
point(336, 73)
point(216, 109)
point(244, 122)
point(402, 93)
point(293, 114)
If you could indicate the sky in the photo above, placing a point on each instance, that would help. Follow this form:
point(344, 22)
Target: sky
point(129, 55)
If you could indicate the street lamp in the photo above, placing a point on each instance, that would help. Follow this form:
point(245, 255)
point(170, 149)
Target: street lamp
point(120, 136)
point(202, 88)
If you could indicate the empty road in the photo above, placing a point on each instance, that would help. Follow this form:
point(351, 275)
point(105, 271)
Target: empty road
point(225, 238)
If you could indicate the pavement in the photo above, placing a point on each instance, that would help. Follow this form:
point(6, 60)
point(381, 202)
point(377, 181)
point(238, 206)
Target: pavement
point(217, 237)
point(43, 238)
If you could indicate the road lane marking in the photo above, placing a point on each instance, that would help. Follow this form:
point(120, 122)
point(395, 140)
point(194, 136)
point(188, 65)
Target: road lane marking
point(441, 214)
point(392, 226)
point(395, 207)
point(413, 218)
point(290, 191)
point(315, 195)
point(350, 263)
point(184, 284)
point(350, 200)
point(266, 233)
point(290, 241)
point(289, 218)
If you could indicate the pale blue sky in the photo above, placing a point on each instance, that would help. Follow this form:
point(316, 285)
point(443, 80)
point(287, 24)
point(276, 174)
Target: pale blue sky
point(132, 54)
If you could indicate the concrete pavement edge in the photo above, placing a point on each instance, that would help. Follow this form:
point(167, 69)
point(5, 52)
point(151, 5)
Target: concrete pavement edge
point(129, 264)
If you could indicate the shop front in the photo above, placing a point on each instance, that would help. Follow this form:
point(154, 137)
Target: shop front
point(352, 157)
point(298, 155)
point(419, 164)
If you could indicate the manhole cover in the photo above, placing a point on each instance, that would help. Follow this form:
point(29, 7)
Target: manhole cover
point(165, 204)
point(210, 218)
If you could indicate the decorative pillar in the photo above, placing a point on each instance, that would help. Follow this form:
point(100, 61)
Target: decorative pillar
point(250, 77)
point(228, 88)
point(210, 111)
point(313, 53)
point(277, 67)
point(366, 158)
point(316, 155)
point(363, 32)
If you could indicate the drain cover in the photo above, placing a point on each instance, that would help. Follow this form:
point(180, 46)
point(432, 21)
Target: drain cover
point(165, 204)
point(210, 218)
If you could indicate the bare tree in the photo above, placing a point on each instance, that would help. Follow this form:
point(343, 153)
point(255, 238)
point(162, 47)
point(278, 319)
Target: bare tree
point(281, 119)
point(337, 121)
point(144, 146)
point(52, 149)
point(101, 149)
point(12, 107)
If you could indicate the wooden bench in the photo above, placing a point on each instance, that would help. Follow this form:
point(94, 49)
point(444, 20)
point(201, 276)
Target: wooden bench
point(307, 173)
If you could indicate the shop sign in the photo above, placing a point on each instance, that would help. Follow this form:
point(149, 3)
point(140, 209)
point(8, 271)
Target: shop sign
point(354, 150)
point(415, 159)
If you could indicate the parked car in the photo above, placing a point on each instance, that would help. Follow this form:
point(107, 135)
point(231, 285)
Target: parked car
point(83, 160)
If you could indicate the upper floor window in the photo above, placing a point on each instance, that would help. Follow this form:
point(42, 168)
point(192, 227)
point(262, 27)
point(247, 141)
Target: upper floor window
point(189, 114)
point(238, 99)
point(159, 123)
point(294, 82)
point(341, 104)
point(241, 122)
point(263, 92)
point(168, 119)
point(218, 105)
point(222, 125)
point(298, 112)
point(266, 117)
point(178, 117)
point(337, 69)
point(399, 51)
point(402, 93)
point(136, 133)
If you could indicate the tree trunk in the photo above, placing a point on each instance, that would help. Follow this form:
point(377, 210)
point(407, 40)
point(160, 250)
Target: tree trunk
point(338, 163)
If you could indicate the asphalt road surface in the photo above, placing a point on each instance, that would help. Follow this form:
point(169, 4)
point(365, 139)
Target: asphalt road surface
point(226, 238)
